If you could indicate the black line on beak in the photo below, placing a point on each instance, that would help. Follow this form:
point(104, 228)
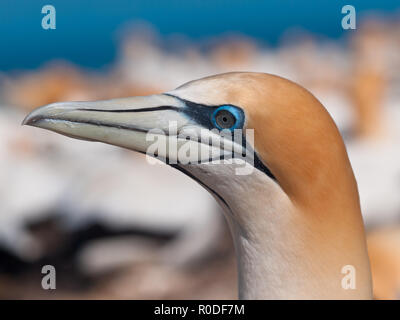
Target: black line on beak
point(160, 108)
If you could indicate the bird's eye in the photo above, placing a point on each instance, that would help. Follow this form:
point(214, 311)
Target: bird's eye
point(225, 117)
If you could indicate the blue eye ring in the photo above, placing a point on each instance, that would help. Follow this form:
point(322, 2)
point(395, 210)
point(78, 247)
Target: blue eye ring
point(234, 114)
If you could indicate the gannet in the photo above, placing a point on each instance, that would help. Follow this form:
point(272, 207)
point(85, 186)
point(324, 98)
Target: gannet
point(295, 218)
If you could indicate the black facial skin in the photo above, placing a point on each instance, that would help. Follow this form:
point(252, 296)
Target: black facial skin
point(202, 114)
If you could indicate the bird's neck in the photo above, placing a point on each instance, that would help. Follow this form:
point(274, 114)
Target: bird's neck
point(288, 252)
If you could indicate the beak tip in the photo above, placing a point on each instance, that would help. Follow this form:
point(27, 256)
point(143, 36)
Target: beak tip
point(35, 116)
point(28, 121)
point(25, 121)
point(32, 119)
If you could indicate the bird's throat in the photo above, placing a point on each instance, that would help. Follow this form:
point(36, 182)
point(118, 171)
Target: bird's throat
point(287, 252)
point(300, 265)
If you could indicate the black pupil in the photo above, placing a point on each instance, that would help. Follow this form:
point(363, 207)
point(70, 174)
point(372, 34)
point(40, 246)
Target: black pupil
point(225, 119)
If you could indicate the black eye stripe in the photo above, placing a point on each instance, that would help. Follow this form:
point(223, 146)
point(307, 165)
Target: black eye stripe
point(199, 113)
point(202, 114)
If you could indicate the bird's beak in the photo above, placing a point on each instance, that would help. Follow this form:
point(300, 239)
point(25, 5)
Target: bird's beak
point(122, 122)
point(133, 123)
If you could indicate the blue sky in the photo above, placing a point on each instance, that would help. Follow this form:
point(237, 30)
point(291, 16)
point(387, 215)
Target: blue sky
point(86, 29)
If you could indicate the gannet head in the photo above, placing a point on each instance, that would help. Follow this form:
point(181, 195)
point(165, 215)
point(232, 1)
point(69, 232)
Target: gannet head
point(257, 121)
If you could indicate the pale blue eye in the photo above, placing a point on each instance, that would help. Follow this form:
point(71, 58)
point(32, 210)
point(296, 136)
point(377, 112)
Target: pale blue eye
point(227, 117)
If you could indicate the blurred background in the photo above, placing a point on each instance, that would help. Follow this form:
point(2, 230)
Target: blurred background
point(116, 227)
